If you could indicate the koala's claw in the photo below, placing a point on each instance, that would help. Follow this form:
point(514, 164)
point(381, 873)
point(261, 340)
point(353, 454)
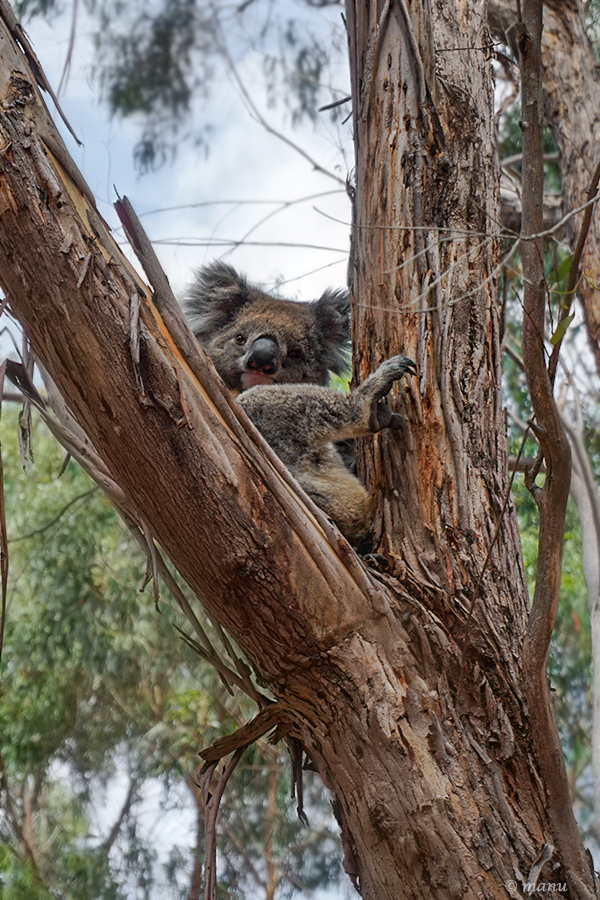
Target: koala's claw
point(391, 370)
point(398, 366)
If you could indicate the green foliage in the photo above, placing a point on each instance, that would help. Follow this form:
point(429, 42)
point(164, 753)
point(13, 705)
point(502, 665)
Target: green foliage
point(18, 880)
point(570, 652)
point(96, 685)
point(30, 8)
point(510, 144)
point(154, 67)
point(561, 329)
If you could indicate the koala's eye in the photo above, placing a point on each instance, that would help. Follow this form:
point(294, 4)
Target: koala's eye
point(295, 353)
point(240, 338)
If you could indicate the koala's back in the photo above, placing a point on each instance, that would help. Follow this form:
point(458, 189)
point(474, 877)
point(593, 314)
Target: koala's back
point(301, 423)
point(254, 338)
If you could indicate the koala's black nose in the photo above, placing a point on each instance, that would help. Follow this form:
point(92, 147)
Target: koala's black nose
point(263, 356)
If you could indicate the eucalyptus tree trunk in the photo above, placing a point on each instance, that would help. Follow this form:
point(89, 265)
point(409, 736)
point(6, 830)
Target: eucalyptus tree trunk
point(423, 278)
point(404, 686)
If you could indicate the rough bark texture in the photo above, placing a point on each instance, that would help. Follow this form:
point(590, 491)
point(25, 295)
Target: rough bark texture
point(422, 277)
point(426, 748)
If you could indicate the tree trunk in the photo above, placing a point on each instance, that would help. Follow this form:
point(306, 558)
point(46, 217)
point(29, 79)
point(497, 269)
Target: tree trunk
point(425, 247)
point(405, 688)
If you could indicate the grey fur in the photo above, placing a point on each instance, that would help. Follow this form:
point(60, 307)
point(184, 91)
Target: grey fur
point(229, 315)
point(302, 423)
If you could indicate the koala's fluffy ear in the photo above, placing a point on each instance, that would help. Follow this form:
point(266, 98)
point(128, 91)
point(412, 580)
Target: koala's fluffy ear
point(214, 298)
point(332, 317)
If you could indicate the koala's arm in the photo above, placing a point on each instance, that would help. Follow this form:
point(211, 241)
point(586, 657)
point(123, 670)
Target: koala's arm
point(368, 414)
point(296, 417)
point(301, 422)
point(361, 412)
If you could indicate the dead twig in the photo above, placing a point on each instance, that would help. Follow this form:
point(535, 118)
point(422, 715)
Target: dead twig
point(264, 722)
point(212, 802)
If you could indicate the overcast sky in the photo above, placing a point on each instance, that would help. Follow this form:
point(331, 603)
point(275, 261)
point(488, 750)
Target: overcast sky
point(244, 164)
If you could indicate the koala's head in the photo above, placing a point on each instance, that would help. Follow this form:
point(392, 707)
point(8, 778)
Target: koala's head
point(254, 338)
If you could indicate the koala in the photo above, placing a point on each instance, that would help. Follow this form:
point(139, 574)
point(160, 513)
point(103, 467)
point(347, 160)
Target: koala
point(256, 339)
point(302, 424)
point(275, 356)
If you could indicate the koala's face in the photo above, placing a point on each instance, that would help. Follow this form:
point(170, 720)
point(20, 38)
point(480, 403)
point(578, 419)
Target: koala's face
point(254, 338)
point(269, 342)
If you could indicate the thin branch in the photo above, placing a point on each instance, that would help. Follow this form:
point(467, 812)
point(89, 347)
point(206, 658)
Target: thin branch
point(14, 819)
point(334, 104)
point(549, 231)
point(69, 57)
point(311, 272)
point(114, 831)
point(282, 207)
point(199, 205)
point(552, 498)
point(57, 517)
point(212, 802)
point(223, 242)
point(269, 718)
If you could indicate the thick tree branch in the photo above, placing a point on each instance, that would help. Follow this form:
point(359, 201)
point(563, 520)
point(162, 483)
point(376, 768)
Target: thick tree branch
point(221, 475)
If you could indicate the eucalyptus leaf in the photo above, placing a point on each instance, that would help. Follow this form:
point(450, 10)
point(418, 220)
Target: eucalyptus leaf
point(561, 329)
point(561, 271)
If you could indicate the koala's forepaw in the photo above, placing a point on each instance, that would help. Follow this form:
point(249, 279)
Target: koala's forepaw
point(397, 421)
point(382, 417)
point(390, 371)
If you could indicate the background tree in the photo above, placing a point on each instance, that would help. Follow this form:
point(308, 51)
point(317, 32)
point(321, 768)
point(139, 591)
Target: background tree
point(97, 686)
